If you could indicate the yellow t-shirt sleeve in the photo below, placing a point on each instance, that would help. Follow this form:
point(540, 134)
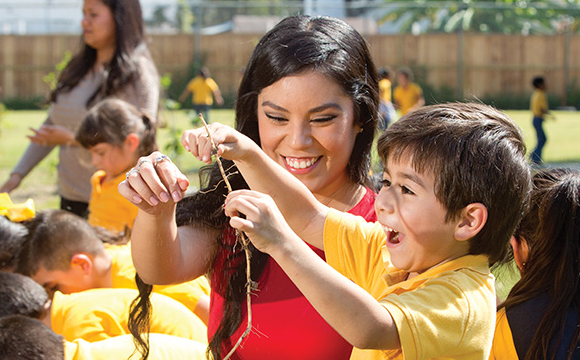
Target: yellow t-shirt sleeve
point(187, 293)
point(353, 247)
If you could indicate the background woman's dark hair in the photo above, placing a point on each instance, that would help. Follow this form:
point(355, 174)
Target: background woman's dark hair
point(551, 228)
point(295, 45)
point(122, 69)
point(111, 121)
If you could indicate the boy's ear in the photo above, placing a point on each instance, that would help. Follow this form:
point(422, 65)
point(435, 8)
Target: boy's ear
point(83, 262)
point(472, 220)
point(132, 141)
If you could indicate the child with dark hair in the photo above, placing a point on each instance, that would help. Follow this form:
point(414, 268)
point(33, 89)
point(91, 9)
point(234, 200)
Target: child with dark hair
point(12, 237)
point(116, 134)
point(540, 317)
point(95, 314)
point(25, 338)
point(63, 252)
point(455, 184)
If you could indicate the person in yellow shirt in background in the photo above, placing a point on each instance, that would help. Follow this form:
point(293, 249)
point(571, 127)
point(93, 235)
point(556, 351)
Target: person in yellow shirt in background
point(22, 337)
point(407, 96)
point(539, 107)
point(95, 314)
point(386, 109)
point(204, 90)
point(63, 252)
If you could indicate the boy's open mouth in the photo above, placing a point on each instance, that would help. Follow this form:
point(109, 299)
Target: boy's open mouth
point(392, 236)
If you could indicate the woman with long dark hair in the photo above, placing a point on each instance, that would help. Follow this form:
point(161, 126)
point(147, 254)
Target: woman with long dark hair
point(540, 318)
point(309, 98)
point(113, 62)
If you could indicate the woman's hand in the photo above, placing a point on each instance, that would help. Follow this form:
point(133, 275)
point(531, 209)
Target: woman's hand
point(12, 183)
point(154, 184)
point(261, 220)
point(230, 143)
point(52, 135)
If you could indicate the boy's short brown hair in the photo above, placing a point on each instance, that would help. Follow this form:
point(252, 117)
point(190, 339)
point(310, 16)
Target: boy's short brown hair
point(477, 155)
point(54, 237)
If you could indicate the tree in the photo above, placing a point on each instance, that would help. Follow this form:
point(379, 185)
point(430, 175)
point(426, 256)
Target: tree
point(500, 16)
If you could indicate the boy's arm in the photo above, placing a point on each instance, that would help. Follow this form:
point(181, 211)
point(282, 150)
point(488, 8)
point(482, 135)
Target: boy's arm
point(302, 211)
point(349, 309)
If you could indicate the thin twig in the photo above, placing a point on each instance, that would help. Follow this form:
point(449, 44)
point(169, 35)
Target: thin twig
point(240, 237)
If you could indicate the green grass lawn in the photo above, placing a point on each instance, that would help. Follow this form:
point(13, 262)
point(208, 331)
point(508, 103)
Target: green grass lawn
point(563, 147)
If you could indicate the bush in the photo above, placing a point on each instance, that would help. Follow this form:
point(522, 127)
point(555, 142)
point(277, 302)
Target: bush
point(25, 103)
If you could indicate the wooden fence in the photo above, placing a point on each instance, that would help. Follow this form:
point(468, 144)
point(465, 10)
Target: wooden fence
point(472, 65)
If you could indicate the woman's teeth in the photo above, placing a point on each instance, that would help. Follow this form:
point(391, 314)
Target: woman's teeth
point(300, 163)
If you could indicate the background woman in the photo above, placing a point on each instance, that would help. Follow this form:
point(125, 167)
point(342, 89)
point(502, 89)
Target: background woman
point(114, 61)
point(309, 97)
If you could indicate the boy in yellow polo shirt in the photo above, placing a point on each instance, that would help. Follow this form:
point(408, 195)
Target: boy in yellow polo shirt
point(95, 314)
point(64, 253)
point(24, 336)
point(454, 187)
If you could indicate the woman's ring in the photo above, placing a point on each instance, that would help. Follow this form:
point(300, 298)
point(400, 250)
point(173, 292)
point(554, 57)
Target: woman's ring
point(141, 163)
point(160, 159)
point(133, 170)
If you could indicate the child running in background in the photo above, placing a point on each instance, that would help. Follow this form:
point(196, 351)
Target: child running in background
point(95, 314)
point(454, 187)
point(539, 107)
point(22, 337)
point(63, 252)
point(540, 317)
point(116, 135)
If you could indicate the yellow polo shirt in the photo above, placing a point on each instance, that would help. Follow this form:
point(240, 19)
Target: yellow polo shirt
point(202, 90)
point(162, 347)
point(539, 103)
point(107, 208)
point(99, 314)
point(123, 276)
point(503, 341)
point(446, 312)
point(405, 98)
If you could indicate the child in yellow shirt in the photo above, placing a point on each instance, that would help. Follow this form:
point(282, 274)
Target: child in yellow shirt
point(22, 337)
point(64, 253)
point(95, 314)
point(116, 134)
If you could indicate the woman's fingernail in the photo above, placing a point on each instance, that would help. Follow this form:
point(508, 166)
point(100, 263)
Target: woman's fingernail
point(164, 197)
point(137, 199)
point(153, 200)
point(176, 196)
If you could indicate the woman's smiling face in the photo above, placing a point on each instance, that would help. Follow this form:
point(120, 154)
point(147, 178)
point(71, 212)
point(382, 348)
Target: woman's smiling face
point(306, 123)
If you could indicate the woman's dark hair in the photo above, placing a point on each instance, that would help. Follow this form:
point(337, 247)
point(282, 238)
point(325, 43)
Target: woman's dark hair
point(551, 228)
point(111, 121)
point(295, 45)
point(122, 69)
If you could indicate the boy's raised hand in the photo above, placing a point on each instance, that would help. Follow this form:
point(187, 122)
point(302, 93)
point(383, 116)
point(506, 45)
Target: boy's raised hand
point(257, 215)
point(155, 181)
point(230, 143)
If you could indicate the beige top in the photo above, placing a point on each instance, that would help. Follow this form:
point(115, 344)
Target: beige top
point(74, 165)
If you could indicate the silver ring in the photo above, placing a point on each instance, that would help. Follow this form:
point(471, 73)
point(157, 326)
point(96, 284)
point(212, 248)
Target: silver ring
point(161, 158)
point(133, 170)
point(143, 161)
